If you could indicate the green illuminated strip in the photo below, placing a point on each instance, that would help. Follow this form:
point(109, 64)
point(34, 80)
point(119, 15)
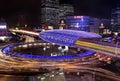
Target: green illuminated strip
point(98, 47)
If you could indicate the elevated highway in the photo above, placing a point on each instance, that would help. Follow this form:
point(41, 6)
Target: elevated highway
point(67, 66)
point(112, 50)
point(101, 48)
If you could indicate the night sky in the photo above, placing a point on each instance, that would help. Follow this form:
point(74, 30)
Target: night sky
point(95, 8)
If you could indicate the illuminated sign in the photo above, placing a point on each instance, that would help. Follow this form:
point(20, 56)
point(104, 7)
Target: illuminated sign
point(78, 17)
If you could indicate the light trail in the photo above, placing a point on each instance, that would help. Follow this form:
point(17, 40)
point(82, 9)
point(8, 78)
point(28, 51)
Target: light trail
point(25, 32)
point(74, 67)
point(97, 46)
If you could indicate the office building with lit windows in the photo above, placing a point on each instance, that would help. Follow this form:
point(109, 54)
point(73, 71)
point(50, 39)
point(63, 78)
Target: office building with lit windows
point(66, 10)
point(115, 19)
point(50, 12)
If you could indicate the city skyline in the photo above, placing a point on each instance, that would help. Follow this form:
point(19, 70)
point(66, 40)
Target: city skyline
point(95, 8)
point(50, 41)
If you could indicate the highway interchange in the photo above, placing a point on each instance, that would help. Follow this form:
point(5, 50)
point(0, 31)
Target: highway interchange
point(9, 64)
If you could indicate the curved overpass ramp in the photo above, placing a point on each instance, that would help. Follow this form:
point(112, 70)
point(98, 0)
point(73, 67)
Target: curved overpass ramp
point(54, 36)
point(72, 36)
point(110, 50)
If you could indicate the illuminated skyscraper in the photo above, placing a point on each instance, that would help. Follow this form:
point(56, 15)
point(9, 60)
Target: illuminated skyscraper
point(50, 12)
point(66, 10)
point(115, 20)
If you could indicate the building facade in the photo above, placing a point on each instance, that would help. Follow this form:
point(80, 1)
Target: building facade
point(115, 19)
point(78, 23)
point(3, 28)
point(65, 10)
point(87, 23)
point(50, 12)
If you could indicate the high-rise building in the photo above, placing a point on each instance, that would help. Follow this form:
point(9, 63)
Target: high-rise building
point(65, 10)
point(50, 12)
point(115, 19)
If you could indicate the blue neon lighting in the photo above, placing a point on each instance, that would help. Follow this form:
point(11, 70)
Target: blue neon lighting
point(7, 49)
point(65, 37)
